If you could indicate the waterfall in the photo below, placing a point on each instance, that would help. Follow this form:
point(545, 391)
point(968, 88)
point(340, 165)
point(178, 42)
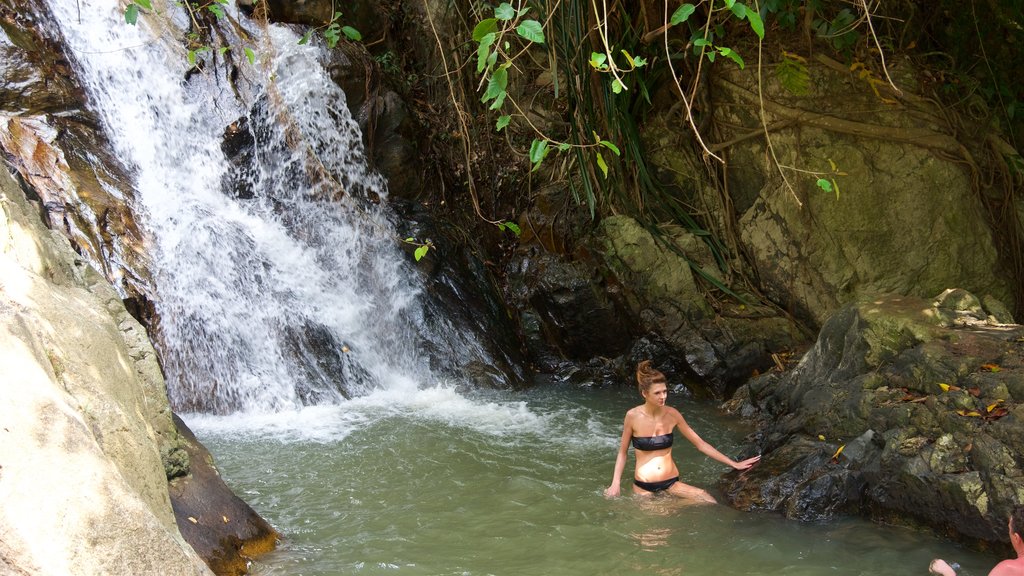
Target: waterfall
point(279, 279)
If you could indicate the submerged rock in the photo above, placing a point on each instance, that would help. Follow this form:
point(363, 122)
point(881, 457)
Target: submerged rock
point(906, 408)
point(220, 526)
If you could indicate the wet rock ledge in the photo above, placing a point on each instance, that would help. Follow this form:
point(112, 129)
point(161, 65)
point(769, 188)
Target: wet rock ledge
point(904, 409)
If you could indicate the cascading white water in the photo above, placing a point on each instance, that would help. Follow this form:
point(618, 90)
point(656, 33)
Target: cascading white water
point(293, 293)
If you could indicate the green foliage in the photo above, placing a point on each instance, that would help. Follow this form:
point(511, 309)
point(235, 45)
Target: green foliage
point(702, 39)
point(830, 184)
point(510, 226)
point(787, 12)
point(131, 12)
point(421, 247)
point(793, 75)
point(839, 31)
point(332, 31)
point(196, 48)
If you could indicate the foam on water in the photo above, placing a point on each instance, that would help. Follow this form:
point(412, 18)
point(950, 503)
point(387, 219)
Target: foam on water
point(441, 404)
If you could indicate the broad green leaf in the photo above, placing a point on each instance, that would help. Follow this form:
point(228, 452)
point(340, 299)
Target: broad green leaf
point(755, 23)
point(514, 228)
point(191, 57)
point(250, 55)
point(639, 62)
point(682, 14)
point(712, 56)
point(351, 33)
point(617, 86)
point(503, 121)
point(564, 146)
point(824, 184)
point(538, 150)
point(305, 37)
point(485, 27)
point(732, 55)
point(217, 10)
point(611, 147)
point(421, 252)
point(144, 4)
point(131, 14)
point(598, 59)
point(496, 85)
point(505, 12)
point(331, 34)
point(483, 52)
point(498, 102)
point(531, 30)
point(410, 239)
point(336, 16)
point(602, 165)
point(700, 42)
point(739, 10)
point(729, 3)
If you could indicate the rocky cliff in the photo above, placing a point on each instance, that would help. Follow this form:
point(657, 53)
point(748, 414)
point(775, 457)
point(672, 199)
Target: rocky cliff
point(85, 416)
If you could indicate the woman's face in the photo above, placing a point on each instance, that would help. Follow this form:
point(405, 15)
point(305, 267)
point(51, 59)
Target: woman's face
point(657, 394)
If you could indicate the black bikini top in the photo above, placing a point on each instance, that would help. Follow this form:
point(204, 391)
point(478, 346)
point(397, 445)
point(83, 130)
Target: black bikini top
point(649, 443)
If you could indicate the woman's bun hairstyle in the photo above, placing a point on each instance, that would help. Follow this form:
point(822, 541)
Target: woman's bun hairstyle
point(646, 376)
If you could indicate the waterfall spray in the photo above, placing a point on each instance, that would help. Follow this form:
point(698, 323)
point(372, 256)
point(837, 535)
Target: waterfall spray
point(277, 283)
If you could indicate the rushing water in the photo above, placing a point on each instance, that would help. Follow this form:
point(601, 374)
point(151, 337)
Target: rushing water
point(289, 310)
point(279, 278)
point(434, 482)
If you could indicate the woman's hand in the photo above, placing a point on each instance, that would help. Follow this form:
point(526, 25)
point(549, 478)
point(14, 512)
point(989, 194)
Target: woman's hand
point(747, 464)
point(612, 491)
point(939, 566)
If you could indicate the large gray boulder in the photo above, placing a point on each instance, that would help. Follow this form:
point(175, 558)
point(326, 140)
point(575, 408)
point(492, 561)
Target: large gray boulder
point(904, 214)
point(85, 417)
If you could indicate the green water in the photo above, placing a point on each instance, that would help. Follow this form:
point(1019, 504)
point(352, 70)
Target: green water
point(434, 482)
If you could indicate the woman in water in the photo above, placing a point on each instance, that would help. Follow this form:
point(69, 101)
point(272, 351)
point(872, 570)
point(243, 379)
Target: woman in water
point(649, 426)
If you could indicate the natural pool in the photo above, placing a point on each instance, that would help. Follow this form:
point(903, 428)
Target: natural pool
point(440, 482)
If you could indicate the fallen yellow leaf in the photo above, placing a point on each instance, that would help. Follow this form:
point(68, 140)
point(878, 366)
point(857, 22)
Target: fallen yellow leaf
point(821, 437)
point(225, 519)
point(973, 413)
point(838, 452)
point(193, 520)
point(993, 405)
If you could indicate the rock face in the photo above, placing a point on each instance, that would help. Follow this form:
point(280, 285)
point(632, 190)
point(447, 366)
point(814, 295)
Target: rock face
point(634, 298)
point(56, 146)
point(902, 216)
point(85, 416)
point(905, 408)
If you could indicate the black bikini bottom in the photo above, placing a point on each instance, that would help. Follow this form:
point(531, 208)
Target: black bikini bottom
point(656, 486)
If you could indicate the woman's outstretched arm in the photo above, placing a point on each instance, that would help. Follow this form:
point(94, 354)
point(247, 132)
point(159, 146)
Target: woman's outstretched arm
point(620, 458)
point(709, 450)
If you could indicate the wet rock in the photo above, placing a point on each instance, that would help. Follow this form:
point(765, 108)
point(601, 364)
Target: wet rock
point(936, 387)
point(220, 526)
point(55, 143)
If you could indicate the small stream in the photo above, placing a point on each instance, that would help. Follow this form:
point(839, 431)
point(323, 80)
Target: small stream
point(437, 482)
